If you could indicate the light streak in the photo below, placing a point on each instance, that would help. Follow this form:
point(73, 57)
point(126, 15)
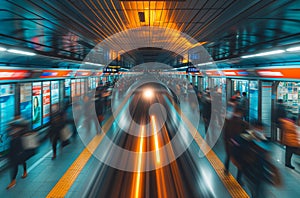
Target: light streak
point(138, 178)
point(155, 140)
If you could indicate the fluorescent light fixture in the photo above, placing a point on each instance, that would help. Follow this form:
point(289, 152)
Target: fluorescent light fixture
point(264, 54)
point(96, 64)
point(21, 52)
point(292, 49)
point(2, 49)
point(208, 63)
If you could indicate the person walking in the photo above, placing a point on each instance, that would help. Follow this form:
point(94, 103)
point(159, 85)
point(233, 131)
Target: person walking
point(244, 104)
point(57, 124)
point(17, 154)
point(233, 127)
point(290, 139)
point(280, 114)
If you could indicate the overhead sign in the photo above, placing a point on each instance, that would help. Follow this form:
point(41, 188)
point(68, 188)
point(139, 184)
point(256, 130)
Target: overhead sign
point(55, 73)
point(83, 73)
point(192, 70)
point(14, 74)
point(279, 73)
point(110, 70)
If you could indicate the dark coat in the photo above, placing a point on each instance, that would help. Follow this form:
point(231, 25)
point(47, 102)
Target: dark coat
point(232, 128)
point(281, 113)
point(16, 151)
point(58, 122)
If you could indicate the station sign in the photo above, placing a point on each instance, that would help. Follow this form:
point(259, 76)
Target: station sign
point(108, 70)
point(192, 70)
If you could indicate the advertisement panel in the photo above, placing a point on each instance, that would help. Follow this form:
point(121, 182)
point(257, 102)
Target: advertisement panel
point(82, 86)
point(36, 104)
point(46, 102)
point(77, 87)
point(54, 96)
point(7, 105)
point(25, 101)
point(67, 87)
point(73, 88)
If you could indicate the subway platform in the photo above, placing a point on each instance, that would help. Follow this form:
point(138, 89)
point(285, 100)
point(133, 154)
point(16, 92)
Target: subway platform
point(77, 173)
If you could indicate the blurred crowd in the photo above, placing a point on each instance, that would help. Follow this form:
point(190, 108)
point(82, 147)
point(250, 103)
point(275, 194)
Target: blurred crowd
point(24, 142)
point(245, 143)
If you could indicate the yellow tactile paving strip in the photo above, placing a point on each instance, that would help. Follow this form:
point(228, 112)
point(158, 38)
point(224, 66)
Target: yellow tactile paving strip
point(64, 184)
point(232, 186)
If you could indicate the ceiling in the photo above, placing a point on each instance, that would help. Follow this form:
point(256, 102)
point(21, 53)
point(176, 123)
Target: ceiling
point(228, 29)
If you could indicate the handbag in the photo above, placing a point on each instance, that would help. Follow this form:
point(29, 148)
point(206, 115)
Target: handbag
point(30, 141)
point(65, 133)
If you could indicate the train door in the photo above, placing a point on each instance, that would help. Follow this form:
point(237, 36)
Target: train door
point(289, 92)
point(253, 99)
point(266, 106)
point(241, 85)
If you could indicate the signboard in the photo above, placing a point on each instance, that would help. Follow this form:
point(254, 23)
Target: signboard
point(36, 104)
point(77, 87)
point(192, 70)
point(293, 73)
point(73, 88)
point(14, 74)
point(67, 87)
point(25, 101)
point(54, 96)
point(55, 73)
point(46, 102)
point(108, 70)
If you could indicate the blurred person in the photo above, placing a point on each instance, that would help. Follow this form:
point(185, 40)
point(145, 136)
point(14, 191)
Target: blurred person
point(58, 122)
point(233, 127)
point(17, 153)
point(99, 105)
point(290, 138)
point(280, 114)
point(237, 95)
point(244, 104)
point(207, 110)
point(230, 109)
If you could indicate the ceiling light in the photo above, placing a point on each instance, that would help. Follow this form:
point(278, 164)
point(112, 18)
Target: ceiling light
point(264, 54)
point(148, 93)
point(293, 49)
point(207, 63)
point(2, 49)
point(96, 64)
point(21, 52)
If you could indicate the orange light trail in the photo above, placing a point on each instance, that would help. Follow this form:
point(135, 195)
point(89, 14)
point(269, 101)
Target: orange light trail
point(138, 177)
point(155, 140)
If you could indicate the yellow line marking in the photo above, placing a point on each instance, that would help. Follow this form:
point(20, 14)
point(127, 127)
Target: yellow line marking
point(66, 181)
point(233, 187)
